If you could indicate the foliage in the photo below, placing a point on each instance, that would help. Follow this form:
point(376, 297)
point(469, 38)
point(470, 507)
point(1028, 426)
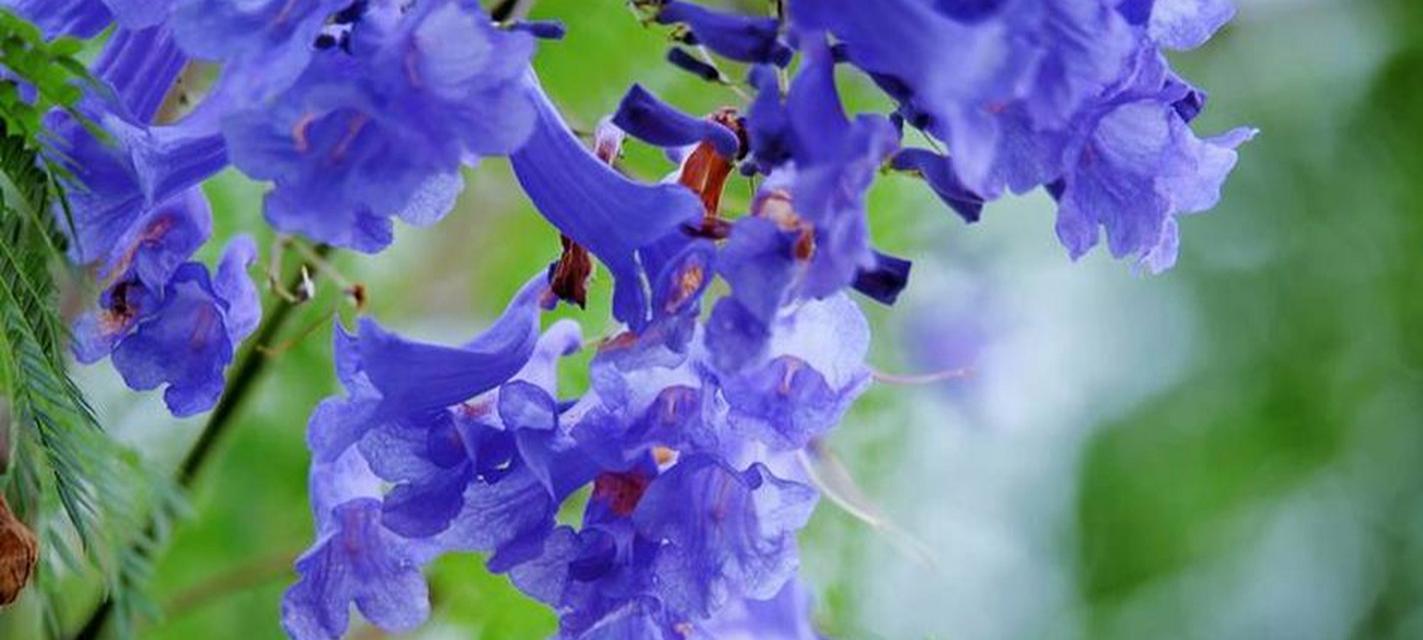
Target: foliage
point(62, 461)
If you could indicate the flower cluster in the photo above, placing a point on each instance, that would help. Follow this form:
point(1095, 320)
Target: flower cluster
point(689, 442)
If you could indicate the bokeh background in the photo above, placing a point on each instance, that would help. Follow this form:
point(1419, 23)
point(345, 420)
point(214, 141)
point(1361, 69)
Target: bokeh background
point(1231, 450)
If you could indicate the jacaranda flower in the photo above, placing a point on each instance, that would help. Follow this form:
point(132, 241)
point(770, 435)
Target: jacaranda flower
point(743, 38)
point(86, 18)
point(379, 128)
point(183, 334)
point(597, 207)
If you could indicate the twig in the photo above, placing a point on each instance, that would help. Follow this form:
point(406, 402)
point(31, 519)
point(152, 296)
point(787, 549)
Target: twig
point(259, 572)
point(243, 378)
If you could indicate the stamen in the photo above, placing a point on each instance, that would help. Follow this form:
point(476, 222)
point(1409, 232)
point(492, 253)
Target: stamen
point(921, 378)
point(303, 144)
point(353, 129)
point(688, 282)
point(793, 366)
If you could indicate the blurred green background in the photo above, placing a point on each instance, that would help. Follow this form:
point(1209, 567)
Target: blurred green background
point(1230, 450)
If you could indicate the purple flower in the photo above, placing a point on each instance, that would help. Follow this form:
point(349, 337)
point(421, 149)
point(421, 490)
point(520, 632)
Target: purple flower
point(379, 128)
point(1138, 165)
point(784, 617)
point(742, 38)
point(812, 369)
point(1022, 66)
point(388, 377)
point(808, 236)
point(139, 218)
point(597, 207)
point(836, 159)
point(86, 18)
point(645, 117)
point(120, 180)
point(264, 44)
point(183, 334)
point(355, 560)
point(1043, 96)
point(459, 471)
point(938, 171)
point(662, 551)
point(721, 534)
point(884, 279)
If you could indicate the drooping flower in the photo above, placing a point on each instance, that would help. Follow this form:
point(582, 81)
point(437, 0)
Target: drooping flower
point(742, 38)
point(645, 117)
point(264, 44)
point(138, 217)
point(182, 334)
point(1137, 166)
point(1025, 97)
point(812, 368)
point(808, 235)
point(355, 559)
point(597, 207)
point(387, 377)
point(378, 128)
point(407, 469)
point(660, 552)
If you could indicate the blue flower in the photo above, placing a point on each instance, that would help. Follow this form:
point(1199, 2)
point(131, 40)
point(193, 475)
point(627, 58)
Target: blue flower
point(812, 369)
point(836, 159)
point(388, 377)
point(597, 207)
point(86, 18)
point(1136, 166)
point(450, 445)
point(355, 560)
point(183, 334)
point(120, 180)
point(721, 534)
point(786, 616)
point(264, 44)
point(645, 117)
point(663, 551)
point(1043, 97)
point(938, 171)
point(1022, 66)
point(379, 128)
point(743, 38)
